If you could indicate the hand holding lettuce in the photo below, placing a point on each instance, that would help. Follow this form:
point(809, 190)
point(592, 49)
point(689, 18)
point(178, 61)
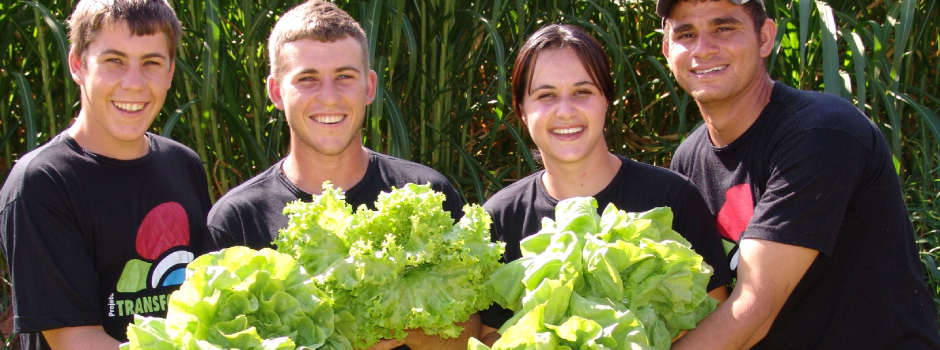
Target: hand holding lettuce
point(615, 281)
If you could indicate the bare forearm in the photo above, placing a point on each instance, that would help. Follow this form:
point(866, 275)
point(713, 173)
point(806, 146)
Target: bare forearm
point(733, 325)
point(417, 340)
point(80, 338)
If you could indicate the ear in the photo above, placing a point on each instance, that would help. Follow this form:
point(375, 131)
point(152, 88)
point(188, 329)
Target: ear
point(274, 92)
point(76, 68)
point(768, 33)
point(371, 82)
point(169, 78)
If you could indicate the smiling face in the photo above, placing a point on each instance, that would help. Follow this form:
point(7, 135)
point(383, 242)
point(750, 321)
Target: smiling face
point(714, 51)
point(124, 80)
point(324, 90)
point(564, 110)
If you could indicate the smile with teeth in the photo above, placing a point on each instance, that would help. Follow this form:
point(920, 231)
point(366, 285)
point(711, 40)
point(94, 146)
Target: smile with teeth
point(329, 119)
point(568, 131)
point(710, 70)
point(130, 106)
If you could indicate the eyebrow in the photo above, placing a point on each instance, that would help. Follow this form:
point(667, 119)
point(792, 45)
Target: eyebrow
point(547, 86)
point(124, 55)
point(724, 20)
point(337, 70)
point(714, 22)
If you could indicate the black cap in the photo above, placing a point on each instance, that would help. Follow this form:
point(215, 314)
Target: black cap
point(663, 6)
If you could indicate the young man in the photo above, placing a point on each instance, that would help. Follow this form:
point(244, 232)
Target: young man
point(803, 186)
point(320, 78)
point(98, 224)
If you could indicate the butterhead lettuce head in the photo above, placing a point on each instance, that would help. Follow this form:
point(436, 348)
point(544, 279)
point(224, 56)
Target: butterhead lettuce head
point(240, 298)
point(612, 281)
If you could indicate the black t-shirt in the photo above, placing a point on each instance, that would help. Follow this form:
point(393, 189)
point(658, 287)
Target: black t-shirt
point(814, 172)
point(92, 240)
point(252, 213)
point(517, 211)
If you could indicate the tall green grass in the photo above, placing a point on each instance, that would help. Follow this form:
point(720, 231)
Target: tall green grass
point(444, 99)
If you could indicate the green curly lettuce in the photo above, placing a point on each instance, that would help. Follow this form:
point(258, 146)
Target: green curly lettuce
point(405, 265)
point(612, 281)
point(240, 298)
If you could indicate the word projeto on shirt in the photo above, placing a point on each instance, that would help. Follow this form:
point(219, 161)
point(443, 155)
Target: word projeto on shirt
point(140, 305)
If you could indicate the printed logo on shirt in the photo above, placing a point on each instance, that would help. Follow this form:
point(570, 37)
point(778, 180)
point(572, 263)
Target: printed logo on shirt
point(733, 218)
point(163, 243)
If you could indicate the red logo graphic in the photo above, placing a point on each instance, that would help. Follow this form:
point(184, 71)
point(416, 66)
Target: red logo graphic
point(736, 213)
point(165, 227)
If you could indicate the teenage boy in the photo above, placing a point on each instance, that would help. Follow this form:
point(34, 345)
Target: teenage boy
point(98, 224)
point(320, 78)
point(803, 187)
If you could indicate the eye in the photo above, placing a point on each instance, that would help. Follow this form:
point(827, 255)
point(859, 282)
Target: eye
point(545, 96)
point(583, 92)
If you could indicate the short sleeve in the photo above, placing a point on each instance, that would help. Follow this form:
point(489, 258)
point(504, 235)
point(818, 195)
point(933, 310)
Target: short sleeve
point(812, 179)
point(55, 283)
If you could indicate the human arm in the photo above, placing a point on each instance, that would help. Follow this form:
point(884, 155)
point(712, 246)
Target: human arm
point(418, 340)
point(488, 335)
point(80, 338)
point(767, 274)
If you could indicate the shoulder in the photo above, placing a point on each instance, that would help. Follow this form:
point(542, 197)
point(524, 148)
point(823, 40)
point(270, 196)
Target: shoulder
point(655, 176)
point(515, 196)
point(167, 146)
point(38, 170)
point(690, 146)
point(821, 112)
point(398, 171)
point(246, 196)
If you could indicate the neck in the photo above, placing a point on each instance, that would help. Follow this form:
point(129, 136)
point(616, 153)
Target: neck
point(88, 139)
point(308, 169)
point(727, 120)
point(582, 179)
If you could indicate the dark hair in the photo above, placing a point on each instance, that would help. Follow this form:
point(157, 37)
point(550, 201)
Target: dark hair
point(318, 20)
point(753, 8)
point(143, 17)
point(559, 36)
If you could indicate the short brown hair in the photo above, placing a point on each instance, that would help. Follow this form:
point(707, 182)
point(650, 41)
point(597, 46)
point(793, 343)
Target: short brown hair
point(318, 20)
point(560, 36)
point(143, 17)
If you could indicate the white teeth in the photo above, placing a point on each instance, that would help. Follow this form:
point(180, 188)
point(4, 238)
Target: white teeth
point(329, 119)
point(130, 106)
point(567, 131)
point(711, 70)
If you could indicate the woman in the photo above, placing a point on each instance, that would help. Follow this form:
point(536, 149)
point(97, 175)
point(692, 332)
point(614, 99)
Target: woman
point(562, 89)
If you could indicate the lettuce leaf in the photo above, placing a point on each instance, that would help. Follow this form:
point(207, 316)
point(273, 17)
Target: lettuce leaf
point(239, 298)
point(402, 266)
point(612, 281)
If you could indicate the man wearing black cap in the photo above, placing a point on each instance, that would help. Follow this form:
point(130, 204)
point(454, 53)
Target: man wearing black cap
point(805, 194)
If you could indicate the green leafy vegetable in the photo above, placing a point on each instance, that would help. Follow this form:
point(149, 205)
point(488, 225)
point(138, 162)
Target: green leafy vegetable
point(613, 281)
point(405, 265)
point(239, 298)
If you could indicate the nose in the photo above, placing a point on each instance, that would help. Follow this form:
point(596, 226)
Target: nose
point(705, 46)
point(327, 93)
point(566, 108)
point(133, 78)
